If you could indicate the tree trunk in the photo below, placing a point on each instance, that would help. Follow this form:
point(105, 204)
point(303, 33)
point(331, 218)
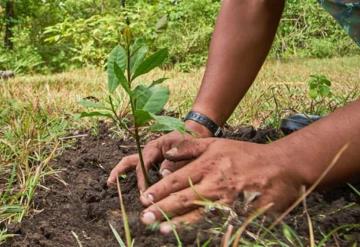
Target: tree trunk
point(9, 23)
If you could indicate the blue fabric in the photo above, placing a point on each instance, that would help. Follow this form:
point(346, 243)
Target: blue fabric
point(347, 14)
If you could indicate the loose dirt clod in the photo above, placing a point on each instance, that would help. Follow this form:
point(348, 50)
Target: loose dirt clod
point(86, 206)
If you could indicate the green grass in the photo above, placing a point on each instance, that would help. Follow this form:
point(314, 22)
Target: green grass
point(36, 111)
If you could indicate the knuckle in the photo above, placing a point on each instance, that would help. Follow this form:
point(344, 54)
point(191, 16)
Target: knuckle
point(152, 144)
point(125, 160)
point(138, 170)
point(174, 182)
point(183, 200)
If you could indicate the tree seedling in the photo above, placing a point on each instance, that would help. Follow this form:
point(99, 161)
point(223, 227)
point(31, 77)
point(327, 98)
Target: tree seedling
point(319, 91)
point(319, 87)
point(125, 65)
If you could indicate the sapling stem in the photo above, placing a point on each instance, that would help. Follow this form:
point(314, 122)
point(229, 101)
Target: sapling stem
point(142, 164)
point(136, 128)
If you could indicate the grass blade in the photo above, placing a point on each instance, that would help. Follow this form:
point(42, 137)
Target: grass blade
point(308, 218)
point(173, 228)
point(327, 236)
point(124, 216)
point(354, 189)
point(117, 236)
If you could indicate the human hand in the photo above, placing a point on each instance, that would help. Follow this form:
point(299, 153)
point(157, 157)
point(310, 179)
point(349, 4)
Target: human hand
point(154, 153)
point(222, 170)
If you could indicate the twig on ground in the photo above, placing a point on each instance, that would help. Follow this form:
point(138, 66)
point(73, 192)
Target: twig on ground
point(311, 229)
point(73, 137)
point(227, 235)
point(77, 238)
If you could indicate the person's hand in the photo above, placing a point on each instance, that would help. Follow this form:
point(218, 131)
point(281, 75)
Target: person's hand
point(221, 171)
point(153, 153)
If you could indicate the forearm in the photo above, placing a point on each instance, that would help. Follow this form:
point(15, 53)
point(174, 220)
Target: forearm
point(242, 38)
point(312, 149)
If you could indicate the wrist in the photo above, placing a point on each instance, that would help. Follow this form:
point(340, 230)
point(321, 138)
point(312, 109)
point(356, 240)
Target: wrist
point(199, 130)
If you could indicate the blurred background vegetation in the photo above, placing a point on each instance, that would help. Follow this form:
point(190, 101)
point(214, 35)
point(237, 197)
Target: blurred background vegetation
point(44, 36)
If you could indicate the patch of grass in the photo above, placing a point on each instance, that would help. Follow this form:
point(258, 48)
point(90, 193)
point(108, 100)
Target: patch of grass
point(32, 118)
point(27, 142)
point(4, 236)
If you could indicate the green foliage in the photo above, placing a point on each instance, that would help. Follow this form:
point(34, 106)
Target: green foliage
point(125, 64)
point(149, 63)
point(116, 64)
point(307, 30)
point(165, 123)
point(25, 59)
point(319, 87)
point(321, 95)
point(69, 34)
point(86, 41)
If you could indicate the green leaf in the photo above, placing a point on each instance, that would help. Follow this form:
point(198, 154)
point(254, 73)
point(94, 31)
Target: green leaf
point(157, 100)
point(117, 56)
point(313, 93)
point(151, 62)
point(95, 114)
point(139, 50)
point(312, 84)
point(142, 117)
point(141, 94)
point(324, 90)
point(158, 81)
point(288, 234)
point(121, 78)
point(151, 99)
point(162, 23)
point(138, 58)
point(165, 123)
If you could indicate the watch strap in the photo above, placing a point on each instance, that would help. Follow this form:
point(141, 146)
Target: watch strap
point(205, 121)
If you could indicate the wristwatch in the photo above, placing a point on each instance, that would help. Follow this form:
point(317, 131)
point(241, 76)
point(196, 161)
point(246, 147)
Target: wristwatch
point(205, 121)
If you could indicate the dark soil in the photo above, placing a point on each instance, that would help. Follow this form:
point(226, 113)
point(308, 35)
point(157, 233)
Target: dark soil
point(86, 206)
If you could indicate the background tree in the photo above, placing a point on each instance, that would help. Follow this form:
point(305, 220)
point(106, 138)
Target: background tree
point(9, 24)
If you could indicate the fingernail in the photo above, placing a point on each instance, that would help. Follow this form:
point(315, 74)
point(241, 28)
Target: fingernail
point(250, 196)
point(165, 228)
point(165, 172)
point(148, 218)
point(147, 198)
point(150, 197)
point(109, 182)
point(172, 152)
